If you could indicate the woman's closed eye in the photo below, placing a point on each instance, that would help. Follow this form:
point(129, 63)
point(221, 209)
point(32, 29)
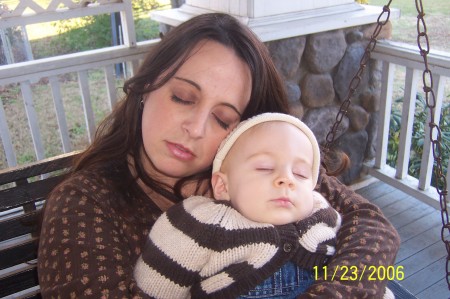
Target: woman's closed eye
point(179, 100)
point(223, 124)
point(225, 117)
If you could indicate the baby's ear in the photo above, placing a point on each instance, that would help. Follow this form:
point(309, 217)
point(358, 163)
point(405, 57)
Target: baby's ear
point(219, 183)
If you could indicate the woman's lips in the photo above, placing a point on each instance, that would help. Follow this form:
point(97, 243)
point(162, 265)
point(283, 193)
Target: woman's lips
point(180, 152)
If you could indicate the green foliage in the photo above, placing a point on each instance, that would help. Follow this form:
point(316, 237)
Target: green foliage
point(25, 158)
point(418, 136)
point(82, 34)
point(362, 1)
point(146, 29)
point(77, 130)
point(93, 32)
point(144, 6)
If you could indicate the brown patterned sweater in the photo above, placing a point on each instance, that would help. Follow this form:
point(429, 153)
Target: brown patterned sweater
point(89, 244)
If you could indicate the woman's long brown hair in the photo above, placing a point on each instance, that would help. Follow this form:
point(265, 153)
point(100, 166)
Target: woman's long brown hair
point(119, 136)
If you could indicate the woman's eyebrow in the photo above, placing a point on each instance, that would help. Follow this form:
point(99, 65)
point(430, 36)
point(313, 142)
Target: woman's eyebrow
point(199, 88)
point(190, 82)
point(232, 107)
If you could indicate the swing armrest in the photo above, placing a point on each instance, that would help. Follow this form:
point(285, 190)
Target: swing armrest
point(23, 190)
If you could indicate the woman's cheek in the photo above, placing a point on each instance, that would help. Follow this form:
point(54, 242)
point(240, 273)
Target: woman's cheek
point(213, 150)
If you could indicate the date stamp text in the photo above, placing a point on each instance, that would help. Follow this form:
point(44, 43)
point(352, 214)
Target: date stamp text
point(354, 273)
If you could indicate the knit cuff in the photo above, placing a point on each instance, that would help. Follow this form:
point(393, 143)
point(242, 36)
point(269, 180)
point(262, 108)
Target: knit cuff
point(307, 260)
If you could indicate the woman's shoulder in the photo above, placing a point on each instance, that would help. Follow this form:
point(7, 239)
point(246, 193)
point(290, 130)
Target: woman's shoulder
point(83, 182)
point(85, 190)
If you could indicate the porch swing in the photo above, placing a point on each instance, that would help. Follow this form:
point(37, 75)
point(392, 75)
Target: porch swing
point(29, 193)
point(435, 130)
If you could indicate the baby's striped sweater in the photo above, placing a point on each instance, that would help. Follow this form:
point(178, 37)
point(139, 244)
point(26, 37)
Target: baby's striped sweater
point(204, 248)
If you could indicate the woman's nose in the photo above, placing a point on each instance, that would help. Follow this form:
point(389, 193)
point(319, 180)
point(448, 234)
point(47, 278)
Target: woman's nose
point(195, 125)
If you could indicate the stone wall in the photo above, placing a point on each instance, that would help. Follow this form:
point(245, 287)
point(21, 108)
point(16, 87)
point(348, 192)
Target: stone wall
point(318, 69)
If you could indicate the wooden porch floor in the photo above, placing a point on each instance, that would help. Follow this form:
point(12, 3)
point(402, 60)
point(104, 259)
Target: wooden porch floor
point(422, 253)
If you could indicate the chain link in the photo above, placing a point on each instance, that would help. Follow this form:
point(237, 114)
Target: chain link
point(354, 83)
point(435, 131)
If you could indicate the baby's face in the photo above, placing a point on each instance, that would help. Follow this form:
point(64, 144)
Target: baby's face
point(269, 174)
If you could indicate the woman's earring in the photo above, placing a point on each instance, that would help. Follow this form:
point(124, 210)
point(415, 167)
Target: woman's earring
point(141, 104)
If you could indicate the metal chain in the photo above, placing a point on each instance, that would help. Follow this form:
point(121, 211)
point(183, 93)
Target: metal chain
point(435, 131)
point(331, 136)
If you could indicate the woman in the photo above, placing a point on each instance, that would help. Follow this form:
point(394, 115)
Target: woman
point(157, 147)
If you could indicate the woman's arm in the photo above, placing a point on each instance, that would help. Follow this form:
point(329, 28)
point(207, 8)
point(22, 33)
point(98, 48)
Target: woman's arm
point(87, 249)
point(366, 238)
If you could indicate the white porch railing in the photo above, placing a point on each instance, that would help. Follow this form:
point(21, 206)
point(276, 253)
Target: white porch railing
point(25, 73)
point(392, 55)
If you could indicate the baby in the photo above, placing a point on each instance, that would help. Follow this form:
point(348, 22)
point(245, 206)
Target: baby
point(265, 216)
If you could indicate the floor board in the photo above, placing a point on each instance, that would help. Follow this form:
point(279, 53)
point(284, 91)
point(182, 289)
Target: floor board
point(419, 225)
point(427, 277)
point(437, 290)
point(419, 243)
point(389, 198)
point(404, 218)
point(422, 259)
point(422, 252)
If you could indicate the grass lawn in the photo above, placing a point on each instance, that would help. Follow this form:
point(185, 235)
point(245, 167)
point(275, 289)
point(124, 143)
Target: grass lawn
point(437, 20)
point(408, 7)
point(48, 29)
point(38, 30)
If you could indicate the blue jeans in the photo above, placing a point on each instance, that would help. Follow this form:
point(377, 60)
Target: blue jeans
point(288, 282)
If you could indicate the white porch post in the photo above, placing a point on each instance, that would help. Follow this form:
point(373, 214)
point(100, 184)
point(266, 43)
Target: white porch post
point(278, 19)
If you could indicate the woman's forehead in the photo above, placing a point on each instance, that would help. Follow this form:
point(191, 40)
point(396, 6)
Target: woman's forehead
point(218, 71)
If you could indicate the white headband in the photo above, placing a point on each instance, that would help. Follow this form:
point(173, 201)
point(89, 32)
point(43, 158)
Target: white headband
point(226, 144)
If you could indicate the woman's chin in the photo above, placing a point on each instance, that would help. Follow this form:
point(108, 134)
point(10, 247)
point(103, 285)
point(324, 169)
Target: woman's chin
point(175, 172)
